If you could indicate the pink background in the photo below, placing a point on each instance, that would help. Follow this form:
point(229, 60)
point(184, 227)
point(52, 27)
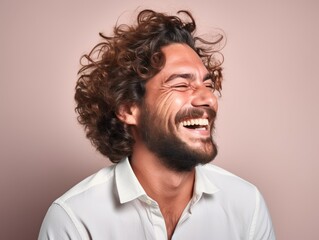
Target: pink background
point(267, 128)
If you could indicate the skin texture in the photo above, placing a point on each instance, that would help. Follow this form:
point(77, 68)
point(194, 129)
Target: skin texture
point(182, 85)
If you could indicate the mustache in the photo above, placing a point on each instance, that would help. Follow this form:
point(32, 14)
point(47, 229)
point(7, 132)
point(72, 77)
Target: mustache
point(195, 113)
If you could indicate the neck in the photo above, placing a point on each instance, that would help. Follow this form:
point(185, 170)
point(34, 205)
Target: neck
point(164, 185)
point(172, 190)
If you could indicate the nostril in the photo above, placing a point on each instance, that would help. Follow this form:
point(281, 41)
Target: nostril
point(205, 105)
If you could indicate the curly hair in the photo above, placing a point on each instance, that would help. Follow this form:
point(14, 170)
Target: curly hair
point(118, 67)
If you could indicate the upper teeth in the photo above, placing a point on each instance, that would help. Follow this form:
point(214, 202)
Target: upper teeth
point(191, 122)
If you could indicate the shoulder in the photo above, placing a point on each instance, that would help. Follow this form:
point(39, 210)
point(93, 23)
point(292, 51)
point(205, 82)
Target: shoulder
point(242, 199)
point(232, 189)
point(97, 189)
point(224, 178)
point(92, 185)
point(71, 214)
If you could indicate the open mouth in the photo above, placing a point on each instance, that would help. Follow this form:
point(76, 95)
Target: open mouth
point(196, 124)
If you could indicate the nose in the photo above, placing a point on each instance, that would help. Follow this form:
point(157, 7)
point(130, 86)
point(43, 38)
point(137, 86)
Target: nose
point(204, 97)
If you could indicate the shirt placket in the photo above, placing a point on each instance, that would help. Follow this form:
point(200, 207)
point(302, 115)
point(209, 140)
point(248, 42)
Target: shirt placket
point(156, 218)
point(186, 213)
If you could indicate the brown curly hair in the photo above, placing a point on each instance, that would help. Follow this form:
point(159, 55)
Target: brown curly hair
point(118, 67)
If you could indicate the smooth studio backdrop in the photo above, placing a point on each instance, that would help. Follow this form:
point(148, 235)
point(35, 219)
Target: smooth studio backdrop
point(267, 128)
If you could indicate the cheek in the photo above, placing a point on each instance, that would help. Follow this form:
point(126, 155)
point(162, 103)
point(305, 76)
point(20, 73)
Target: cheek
point(216, 106)
point(163, 104)
point(167, 105)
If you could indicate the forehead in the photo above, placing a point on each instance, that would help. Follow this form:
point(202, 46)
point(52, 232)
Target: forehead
point(179, 55)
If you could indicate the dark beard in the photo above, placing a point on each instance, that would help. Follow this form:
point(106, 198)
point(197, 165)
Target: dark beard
point(172, 151)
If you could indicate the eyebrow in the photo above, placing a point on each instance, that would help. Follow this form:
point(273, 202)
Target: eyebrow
point(189, 76)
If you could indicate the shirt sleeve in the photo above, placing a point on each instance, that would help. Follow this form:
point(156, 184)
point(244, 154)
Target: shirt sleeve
point(57, 225)
point(261, 227)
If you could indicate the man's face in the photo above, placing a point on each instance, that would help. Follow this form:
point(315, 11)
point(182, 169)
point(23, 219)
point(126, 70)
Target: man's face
point(179, 109)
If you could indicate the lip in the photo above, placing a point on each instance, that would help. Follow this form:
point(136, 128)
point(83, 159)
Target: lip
point(199, 132)
point(203, 118)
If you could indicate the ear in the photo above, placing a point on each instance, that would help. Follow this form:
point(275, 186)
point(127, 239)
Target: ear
point(128, 114)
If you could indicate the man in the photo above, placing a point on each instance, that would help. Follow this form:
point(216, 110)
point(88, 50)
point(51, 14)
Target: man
point(147, 100)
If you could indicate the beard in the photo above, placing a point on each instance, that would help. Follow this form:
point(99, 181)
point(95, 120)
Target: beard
point(174, 153)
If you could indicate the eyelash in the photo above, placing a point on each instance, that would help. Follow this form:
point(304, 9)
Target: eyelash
point(210, 85)
point(183, 85)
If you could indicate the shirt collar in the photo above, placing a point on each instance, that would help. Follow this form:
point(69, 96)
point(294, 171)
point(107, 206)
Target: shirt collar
point(128, 186)
point(202, 183)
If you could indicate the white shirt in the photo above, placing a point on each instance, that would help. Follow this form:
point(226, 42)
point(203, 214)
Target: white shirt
point(112, 204)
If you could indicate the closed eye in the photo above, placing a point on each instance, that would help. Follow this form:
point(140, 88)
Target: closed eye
point(210, 85)
point(181, 86)
point(209, 82)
